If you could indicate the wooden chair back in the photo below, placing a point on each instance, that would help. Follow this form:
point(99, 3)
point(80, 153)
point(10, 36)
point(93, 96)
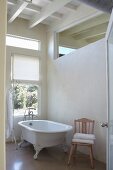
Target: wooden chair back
point(84, 126)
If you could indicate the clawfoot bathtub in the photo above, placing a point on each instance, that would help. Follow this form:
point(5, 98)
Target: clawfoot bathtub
point(43, 133)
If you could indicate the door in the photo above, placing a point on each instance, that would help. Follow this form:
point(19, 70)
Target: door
point(109, 41)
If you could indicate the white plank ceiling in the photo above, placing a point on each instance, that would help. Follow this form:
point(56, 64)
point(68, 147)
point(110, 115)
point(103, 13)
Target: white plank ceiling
point(87, 23)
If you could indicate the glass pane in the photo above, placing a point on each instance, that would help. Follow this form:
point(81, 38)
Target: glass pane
point(25, 96)
point(65, 50)
point(22, 42)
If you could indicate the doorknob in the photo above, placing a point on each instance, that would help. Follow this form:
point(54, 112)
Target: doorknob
point(105, 124)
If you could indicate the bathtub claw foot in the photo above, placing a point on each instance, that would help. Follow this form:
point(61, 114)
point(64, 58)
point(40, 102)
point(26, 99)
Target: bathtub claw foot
point(37, 149)
point(35, 156)
point(21, 143)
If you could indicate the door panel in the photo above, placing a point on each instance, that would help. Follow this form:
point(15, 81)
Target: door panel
point(109, 39)
point(110, 105)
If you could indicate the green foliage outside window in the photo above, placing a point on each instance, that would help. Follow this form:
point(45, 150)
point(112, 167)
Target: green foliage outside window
point(25, 96)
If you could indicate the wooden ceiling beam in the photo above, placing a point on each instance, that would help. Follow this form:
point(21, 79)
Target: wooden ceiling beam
point(70, 42)
point(47, 11)
point(30, 7)
point(102, 18)
point(91, 32)
point(16, 10)
point(96, 38)
point(36, 9)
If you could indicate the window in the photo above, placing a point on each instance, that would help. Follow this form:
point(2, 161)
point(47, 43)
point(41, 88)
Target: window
point(25, 80)
point(22, 42)
point(65, 50)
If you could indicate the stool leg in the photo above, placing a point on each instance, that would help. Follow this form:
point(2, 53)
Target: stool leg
point(71, 152)
point(91, 156)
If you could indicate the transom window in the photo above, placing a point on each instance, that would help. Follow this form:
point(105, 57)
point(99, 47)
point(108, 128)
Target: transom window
point(22, 42)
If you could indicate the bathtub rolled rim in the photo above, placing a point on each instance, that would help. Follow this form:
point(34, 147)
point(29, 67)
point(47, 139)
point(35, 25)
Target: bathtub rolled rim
point(69, 127)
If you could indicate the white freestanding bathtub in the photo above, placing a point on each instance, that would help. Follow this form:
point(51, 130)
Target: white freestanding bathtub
point(43, 133)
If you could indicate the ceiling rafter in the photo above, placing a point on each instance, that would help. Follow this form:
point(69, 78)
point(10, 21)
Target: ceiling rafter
point(68, 41)
point(30, 7)
point(55, 16)
point(19, 7)
point(91, 32)
point(93, 39)
point(100, 19)
point(36, 9)
point(11, 2)
point(47, 11)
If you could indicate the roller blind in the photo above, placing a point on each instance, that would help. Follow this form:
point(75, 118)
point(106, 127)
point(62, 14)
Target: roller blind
point(25, 67)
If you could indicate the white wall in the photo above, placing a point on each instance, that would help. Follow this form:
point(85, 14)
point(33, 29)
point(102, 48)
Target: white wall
point(20, 28)
point(77, 88)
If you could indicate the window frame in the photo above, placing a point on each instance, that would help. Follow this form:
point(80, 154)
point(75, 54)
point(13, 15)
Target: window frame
point(67, 48)
point(24, 38)
point(27, 52)
point(38, 104)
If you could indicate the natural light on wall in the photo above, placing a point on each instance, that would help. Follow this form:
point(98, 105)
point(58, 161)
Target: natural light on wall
point(22, 42)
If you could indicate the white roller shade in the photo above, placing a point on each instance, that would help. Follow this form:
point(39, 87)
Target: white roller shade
point(25, 67)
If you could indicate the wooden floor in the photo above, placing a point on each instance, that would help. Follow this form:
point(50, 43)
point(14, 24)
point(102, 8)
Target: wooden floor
point(49, 159)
